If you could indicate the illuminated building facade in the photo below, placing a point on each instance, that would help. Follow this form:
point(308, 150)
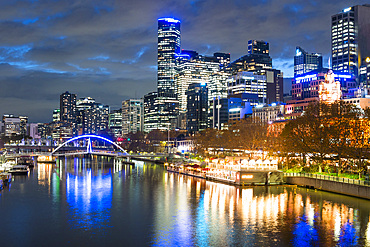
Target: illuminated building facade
point(217, 85)
point(56, 115)
point(305, 62)
point(14, 125)
point(150, 112)
point(249, 83)
point(307, 85)
point(257, 59)
point(197, 107)
point(115, 122)
point(350, 37)
point(268, 113)
point(91, 117)
point(192, 69)
point(169, 40)
point(68, 107)
point(132, 116)
point(329, 89)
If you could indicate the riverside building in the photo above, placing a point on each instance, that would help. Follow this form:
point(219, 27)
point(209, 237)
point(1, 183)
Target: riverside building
point(132, 116)
point(350, 35)
point(169, 40)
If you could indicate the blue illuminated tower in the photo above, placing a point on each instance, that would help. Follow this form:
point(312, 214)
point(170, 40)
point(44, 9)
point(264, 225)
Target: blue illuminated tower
point(168, 46)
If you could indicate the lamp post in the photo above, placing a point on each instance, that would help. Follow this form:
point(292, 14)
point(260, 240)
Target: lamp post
point(168, 137)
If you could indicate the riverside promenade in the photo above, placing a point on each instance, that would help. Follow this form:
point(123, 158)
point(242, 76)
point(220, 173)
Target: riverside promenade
point(346, 186)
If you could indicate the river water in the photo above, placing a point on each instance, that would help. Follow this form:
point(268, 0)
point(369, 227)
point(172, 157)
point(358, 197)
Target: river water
point(92, 202)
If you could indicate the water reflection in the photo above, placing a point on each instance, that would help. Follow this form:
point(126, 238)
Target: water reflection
point(103, 202)
point(205, 213)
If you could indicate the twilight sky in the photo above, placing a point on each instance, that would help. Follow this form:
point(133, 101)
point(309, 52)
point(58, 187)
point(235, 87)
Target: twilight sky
point(107, 49)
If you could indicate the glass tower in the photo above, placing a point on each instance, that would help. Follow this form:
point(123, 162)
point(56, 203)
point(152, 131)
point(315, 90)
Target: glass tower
point(168, 47)
point(305, 62)
point(350, 35)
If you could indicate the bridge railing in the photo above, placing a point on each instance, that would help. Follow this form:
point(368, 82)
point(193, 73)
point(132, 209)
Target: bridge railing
point(329, 178)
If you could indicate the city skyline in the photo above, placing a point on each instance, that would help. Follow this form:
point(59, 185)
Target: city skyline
point(108, 51)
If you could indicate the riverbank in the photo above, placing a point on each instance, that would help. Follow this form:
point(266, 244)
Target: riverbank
point(239, 177)
point(345, 186)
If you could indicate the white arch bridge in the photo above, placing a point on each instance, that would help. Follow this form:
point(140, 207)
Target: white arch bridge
point(89, 147)
point(88, 150)
point(79, 145)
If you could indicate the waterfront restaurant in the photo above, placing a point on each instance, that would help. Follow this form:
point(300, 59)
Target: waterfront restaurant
point(245, 171)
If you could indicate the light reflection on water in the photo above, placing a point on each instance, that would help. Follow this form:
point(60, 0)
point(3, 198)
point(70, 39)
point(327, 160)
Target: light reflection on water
point(100, 202)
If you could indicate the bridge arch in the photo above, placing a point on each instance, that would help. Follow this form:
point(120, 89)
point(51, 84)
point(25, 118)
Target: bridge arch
point(88, 136)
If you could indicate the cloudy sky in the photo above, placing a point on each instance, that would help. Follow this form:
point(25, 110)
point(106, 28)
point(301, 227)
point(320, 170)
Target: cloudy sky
point(107, 49)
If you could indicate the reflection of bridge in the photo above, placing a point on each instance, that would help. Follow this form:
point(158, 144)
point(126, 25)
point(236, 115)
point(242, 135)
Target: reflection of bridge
point(80, 145)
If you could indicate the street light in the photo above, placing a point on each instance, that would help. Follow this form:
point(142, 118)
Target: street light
point(168, 137)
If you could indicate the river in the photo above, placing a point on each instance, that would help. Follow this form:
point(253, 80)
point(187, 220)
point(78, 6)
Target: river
point(92, 202)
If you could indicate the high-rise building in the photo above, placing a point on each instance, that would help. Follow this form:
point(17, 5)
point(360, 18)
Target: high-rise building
point(91, 117)
point(305, 62)
point(258, 58)
point(258, 47)
point(68, 107)
point(150, 112)
point(197, 107)
point(56, 115)
point(223, 59)
point(169, 40)
point(248, 83)
point(192, 69)
point(115, 122)
point(132, 116)
point(350, 35)
point(95, 118)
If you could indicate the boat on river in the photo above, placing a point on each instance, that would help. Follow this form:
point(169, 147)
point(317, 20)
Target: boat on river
point(19, 170)
point(26, 160)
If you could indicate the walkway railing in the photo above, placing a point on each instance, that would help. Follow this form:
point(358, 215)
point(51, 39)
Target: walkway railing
point(329, 178)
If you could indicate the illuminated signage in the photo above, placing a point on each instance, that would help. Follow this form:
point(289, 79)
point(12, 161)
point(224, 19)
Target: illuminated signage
point(347, 9)
point(169, 20)
point(298, 52)
point(234, 110)
point(247, 176)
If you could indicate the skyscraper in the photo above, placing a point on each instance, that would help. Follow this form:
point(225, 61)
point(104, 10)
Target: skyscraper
point(350, 35)
point(192, 69)
point(68, 107)
point(168, 46)
point(132, 116)
point(258, 58)
point(305, 62)
point(197, 105)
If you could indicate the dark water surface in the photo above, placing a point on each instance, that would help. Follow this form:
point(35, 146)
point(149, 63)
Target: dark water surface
point(92, 202)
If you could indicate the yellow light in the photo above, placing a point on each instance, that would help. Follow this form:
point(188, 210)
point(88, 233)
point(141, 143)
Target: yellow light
point(367, 59)
point(247, 176)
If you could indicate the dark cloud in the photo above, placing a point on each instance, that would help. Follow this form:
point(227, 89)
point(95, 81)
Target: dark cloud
point(107, 49)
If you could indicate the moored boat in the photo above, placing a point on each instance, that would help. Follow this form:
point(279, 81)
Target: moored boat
point(19, 170)
point(26, 160)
